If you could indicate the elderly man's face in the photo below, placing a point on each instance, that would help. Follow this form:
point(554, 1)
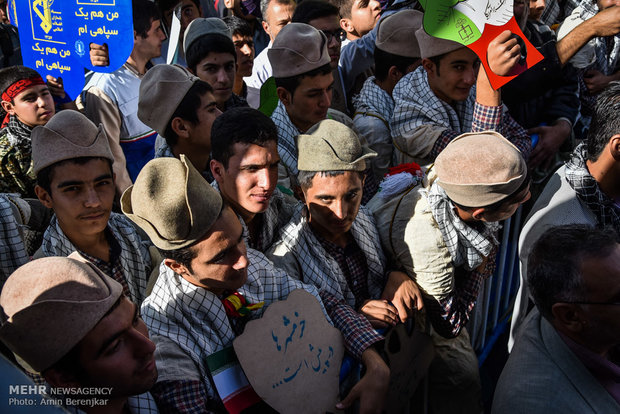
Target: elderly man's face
point(333, 203)
point(250, 178)
point(601, 280)
point(118, 353)
point(221, 259)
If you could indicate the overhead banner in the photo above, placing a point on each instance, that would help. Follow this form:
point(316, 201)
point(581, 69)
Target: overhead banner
point(55, 36)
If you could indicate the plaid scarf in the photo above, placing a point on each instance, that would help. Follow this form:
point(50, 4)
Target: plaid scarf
point(13, 252)
point(588, 191)
point(320, 269)
point(416, 105)
point(135, 259)
point(373, 99)
point(607, 48)
point(468, 246)
point(287, 132)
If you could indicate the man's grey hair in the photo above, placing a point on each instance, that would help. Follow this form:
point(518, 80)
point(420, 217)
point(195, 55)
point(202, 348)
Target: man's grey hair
point(264, 6)
point(554, 265)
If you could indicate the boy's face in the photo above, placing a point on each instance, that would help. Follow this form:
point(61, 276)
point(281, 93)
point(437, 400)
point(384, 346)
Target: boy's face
point(251, 177)
point(34, 106)
point(310, 101)
point(330, 26)
point(221, 263)
point(453, 79)
point(149, 47)
point(244, 46)
point(333, 203)
point(364, 16)
point(81, 196)
point(218, 70)
point(200, 133)
point(118, 353)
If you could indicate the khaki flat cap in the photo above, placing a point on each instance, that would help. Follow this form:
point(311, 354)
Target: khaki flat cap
point(331, 146)
point(479, 169)
point(69, 134)
point(163, 84)
point(434, 46)
point(396, 33)
point(297, 49)
point(49, 305)
point(204, 26)
point(172, 203)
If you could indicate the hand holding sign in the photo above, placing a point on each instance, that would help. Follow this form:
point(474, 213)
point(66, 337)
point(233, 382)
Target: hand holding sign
point(486, 27)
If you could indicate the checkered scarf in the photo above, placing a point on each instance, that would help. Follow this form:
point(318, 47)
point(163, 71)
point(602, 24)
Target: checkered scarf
point(287, 132)
point(588, 190)
point(468, 246)
point(195, 319)
point(607, 48)
point(18, 133)
point(373, 99)
point(417, 105)
point(280, 210)
point(12, 248)
point(135, 259)
point(320, 269)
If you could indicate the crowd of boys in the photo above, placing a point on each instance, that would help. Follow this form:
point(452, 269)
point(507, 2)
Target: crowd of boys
point(326, 145)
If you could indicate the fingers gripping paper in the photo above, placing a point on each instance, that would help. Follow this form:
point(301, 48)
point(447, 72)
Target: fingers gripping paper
point(292, 356)
point(475, 23)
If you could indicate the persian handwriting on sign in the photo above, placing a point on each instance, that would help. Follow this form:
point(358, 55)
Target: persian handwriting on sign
point(103, 30)
point(311, 361)
point(111, 16)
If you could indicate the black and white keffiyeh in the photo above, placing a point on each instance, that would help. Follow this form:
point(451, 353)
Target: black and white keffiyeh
point(374, 100)
point(286, 138)
point(468, 246)
point(606, 211)
point(416, 105)
point(13, 252)
point(135, 258)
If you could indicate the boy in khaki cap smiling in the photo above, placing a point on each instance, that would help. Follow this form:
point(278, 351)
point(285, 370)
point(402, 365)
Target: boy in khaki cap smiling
point(73, 165)
point(444, 235)
point(67, 320)
point(206, 261)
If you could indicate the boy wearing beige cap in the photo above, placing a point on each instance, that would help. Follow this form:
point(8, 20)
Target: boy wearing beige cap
point(437, 102)
point(185, 120)
point(331, 241)
point(396, 54)
point(68, 321)
point(211, 55)
point(73, 164)
point(206, 264)
point(444, 234)
point(301, 68)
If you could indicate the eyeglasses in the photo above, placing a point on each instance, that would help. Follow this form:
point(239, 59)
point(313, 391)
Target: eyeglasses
point(339, 34)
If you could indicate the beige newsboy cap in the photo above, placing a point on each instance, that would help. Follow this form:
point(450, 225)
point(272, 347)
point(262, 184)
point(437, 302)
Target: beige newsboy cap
point(204, 26)
point(297, 49)
point(49, 305)
point(480, 168)
point(172, 203)
point(331, 146)
point(396, 33)
point(434, 46)
point(161, 91)
point(69, 134)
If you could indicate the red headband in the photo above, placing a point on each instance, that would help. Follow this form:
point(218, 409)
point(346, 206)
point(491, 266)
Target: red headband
point(17, 88)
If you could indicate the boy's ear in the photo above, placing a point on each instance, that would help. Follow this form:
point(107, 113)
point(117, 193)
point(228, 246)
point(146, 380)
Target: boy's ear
point(44, 197)
point(8, 107)
point(347, 25)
